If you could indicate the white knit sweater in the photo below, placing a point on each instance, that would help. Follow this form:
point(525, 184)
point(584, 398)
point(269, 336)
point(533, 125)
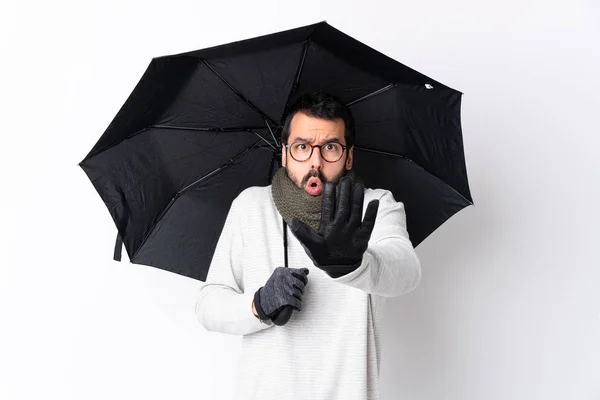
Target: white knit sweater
point(331, 350)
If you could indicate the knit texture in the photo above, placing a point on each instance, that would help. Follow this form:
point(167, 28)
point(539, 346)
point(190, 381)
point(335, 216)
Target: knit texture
point(293, 201)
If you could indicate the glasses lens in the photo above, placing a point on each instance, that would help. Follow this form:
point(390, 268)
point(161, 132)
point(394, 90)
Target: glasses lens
point(332, 151)
point(300, 151)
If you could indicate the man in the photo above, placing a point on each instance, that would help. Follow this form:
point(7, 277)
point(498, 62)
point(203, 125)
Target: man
point(330, 347)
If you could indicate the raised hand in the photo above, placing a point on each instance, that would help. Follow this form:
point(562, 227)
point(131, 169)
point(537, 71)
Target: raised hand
point(343, 236)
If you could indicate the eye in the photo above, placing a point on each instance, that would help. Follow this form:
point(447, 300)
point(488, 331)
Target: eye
point(300, 147)
point(333, 147)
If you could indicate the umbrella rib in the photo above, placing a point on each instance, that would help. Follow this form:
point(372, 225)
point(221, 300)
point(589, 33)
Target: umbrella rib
point(378, 91)
point(382, 152)
point(237, 92)
point(272, 134)
point(419, 165)
point(266, 141)
point(172, 201)
point(231, 160)
point(232, 129)
point(113, 144)
point(241, 129)
point(298, 73)
point(223, 130)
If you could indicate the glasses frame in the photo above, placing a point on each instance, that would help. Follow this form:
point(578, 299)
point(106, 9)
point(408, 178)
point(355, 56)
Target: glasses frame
point(312, 148)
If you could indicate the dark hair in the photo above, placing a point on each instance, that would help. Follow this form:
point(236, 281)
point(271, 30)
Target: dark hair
point(320, 105)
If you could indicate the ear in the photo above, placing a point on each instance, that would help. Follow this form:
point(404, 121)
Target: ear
point(350, 158)
point(283, 156)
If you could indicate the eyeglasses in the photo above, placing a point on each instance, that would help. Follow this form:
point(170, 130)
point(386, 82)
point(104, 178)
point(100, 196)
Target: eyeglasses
point(302, 151)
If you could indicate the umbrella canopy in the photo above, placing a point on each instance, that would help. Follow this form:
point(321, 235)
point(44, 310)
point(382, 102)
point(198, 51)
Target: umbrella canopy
point(200, 127)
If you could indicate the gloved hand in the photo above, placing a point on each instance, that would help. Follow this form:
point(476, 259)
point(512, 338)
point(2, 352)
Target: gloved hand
point(341, 240)
point(284, 287)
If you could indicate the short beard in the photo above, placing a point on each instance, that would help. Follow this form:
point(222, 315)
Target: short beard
point(316, 174)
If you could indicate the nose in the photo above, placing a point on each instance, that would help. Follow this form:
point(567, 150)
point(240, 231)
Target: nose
point(315, 159)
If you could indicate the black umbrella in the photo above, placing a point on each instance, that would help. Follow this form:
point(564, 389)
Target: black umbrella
point(202, 126)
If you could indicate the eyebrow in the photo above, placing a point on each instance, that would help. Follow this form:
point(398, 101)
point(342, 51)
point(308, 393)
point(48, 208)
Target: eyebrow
point(309, 141)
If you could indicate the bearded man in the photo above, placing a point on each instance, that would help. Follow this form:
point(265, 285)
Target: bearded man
point(315, 218)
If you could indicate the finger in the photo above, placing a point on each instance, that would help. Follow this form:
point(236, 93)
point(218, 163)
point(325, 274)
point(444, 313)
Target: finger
point(303, 280)
point(294, 288)
point(368, 223)
point(305, 234)
point(301, 271)
point(358, 197)
point(297, 304)
point(298, 288)
point(328, 203)
point(342, 211)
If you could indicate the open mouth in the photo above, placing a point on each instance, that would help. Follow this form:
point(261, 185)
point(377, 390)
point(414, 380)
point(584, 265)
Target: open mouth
point(313, 186)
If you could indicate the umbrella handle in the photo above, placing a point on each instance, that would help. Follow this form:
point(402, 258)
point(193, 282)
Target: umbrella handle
point(283, 316)
point(286, 312)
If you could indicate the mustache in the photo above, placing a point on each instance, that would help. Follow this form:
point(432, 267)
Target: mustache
point(313, 174)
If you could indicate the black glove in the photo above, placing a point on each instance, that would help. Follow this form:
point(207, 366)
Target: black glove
point(339, 244)
point(284, 287)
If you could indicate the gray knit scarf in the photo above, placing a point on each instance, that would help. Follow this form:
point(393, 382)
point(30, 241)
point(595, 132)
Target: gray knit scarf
point(293, 202)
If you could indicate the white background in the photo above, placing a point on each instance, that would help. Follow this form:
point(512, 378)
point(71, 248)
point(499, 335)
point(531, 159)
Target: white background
point(509, 303)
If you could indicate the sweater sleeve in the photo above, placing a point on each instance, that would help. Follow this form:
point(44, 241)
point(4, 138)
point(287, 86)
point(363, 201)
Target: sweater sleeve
point(390, 266)
point(222, 305)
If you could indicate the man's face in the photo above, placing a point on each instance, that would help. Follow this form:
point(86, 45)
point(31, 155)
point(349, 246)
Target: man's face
point(312, 174)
